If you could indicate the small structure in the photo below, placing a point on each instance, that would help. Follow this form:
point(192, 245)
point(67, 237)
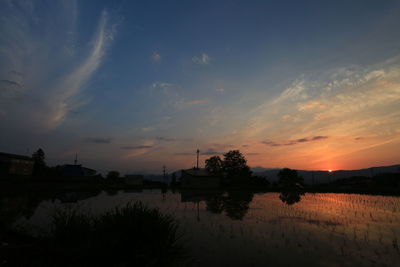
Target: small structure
point(72, 170)
point(11, 164)
point(133, 180)
point(76, 170)
point(199, 178)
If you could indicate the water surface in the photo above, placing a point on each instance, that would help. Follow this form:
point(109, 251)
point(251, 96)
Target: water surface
point(240, 228)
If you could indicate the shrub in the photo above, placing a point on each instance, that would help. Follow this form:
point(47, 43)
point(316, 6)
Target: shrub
point(130, 235)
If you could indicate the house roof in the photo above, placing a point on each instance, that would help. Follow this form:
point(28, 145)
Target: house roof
point(14, 156)
point(76, 170)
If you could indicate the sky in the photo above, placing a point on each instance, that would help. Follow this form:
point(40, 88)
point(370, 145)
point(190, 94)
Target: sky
point(135, 85)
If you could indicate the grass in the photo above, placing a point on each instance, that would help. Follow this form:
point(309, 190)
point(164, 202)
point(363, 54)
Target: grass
point(131, 235)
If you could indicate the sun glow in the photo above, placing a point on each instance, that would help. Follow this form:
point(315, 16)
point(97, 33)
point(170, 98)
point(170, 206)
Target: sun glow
point(329, 170)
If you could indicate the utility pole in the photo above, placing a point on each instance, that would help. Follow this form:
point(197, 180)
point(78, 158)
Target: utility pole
point(164, 187)
point(198, 152)
point(76, 159)
point(164, 172)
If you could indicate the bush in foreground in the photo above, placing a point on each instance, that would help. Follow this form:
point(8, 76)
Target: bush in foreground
point(132, 235)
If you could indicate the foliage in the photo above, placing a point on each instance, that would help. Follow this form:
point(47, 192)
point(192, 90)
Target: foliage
point(130, 235)
point(214, 165)
point(289, 178)
point(39, 163)
point(38, 157)
point(235, 164)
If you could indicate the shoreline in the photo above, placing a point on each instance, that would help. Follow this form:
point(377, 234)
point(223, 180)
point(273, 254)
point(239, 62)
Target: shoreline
point(22, 186)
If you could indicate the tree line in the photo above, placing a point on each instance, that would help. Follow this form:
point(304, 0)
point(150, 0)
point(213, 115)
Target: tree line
point(233, 166)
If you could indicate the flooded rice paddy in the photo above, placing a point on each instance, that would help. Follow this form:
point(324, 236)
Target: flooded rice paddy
point(240, 228)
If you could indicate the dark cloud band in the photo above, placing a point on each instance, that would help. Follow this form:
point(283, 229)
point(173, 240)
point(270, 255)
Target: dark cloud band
point(295, 142)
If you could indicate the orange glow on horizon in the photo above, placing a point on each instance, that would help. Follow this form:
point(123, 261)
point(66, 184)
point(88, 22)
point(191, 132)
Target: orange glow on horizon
point(329, 170)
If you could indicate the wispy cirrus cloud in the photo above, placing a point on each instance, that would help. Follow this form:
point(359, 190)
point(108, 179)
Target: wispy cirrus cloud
point(165, 88)
point(10, 83)
point(165, 139)
point(168, 139)
point(136, 147)
point(211, 152)
point(203, 59)
point(208, 152)
point(321, 103)
point(16, 73)
point(196, 102)
point(76, 80)
point(184, 154)
point(344, 103)
point(41, 59)
point(155, 56)
point(98, 140)
point(133, 151)
point(173, 95)
point(294, 142)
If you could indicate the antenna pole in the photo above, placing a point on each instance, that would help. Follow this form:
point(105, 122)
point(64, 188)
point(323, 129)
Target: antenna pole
point(198, 151)
point(164, 172)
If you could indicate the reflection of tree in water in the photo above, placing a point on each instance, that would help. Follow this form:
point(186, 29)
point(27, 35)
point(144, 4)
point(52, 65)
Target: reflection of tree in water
point(215, 204)
point(111, 191)
point(290, 197)
point(73, 197)
point(14, 207)
point(235, 204)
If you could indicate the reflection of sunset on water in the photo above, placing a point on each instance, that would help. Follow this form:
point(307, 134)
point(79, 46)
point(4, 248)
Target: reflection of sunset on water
point(234, 117)
point(318, 229)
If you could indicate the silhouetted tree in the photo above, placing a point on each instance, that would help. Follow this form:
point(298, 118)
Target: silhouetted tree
point(39, 163)
point(290, 197)
point(235, 165)
point(215, 204)
point(38, 157)
point(289, 178)
point(214, 165)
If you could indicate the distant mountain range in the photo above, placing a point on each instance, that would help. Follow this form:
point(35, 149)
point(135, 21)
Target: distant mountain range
point(319, 177)
point(310, 177)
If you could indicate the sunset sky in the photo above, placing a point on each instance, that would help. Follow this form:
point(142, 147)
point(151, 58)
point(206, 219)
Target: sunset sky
point(134, 85)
